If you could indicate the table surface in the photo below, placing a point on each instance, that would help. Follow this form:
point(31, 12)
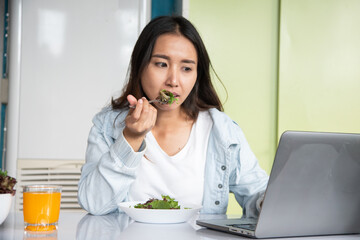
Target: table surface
point(80, 225)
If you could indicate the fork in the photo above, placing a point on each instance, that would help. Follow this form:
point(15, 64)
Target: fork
point(151, 101)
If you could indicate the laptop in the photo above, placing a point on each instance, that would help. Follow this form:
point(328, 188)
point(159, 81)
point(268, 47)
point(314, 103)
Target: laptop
point(313, 189)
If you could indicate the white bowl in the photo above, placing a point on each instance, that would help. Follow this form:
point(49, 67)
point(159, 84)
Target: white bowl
point(5, 203)
point(159, 215)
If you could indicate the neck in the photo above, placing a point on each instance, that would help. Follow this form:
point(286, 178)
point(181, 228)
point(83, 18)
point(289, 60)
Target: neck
point(171, 119)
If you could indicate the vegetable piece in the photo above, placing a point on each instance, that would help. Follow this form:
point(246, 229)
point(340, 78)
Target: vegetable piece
point(7, 183)
point(166, 203)
point(167, 97)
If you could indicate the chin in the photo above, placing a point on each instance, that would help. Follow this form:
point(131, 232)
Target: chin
point(167, 106)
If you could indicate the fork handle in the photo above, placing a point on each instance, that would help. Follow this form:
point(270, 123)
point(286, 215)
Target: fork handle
point(151, 101)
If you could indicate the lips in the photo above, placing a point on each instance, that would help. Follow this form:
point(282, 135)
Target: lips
point(175, 94)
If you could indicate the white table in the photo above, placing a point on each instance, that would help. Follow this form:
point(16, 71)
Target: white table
point(80, 225)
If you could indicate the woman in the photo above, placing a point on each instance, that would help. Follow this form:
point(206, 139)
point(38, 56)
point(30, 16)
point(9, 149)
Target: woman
point(189, 149)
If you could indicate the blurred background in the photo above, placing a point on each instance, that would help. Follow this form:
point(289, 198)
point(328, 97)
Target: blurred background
point(285, 64)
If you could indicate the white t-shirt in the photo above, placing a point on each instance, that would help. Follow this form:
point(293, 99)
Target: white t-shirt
point(180, 176)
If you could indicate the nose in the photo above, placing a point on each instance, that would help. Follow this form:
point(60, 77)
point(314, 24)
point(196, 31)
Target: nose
point(173, 78)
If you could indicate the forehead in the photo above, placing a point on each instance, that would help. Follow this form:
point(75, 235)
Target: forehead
point(175, 44)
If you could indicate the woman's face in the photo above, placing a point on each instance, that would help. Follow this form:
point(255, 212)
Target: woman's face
point(173, 67)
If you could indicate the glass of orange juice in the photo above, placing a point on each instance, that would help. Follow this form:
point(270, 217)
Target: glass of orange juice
point(41, 207)
point(44, 235)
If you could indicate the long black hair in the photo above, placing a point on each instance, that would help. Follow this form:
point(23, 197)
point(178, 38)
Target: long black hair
point(203, 95)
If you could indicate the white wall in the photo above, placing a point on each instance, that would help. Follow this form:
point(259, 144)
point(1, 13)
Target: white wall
point(73, 56)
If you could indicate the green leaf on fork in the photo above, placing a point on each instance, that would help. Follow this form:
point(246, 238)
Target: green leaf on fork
point(167, 97)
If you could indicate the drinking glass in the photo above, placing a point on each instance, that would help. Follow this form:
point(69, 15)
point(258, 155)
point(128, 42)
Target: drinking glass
point(36, 235)
point(41, 207)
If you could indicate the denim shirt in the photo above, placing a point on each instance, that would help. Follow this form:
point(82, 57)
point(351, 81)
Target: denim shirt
point(111, 166)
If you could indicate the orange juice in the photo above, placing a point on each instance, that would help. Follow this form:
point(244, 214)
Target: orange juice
point(41, 208)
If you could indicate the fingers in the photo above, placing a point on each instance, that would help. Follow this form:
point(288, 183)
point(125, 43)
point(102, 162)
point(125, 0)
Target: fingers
point(136, 113)
point(141, 119)
point(148, 115)
point(132, 100)
point(144, 111)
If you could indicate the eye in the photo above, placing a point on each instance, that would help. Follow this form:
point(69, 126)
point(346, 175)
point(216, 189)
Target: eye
point(187, 69)
point(161, 64)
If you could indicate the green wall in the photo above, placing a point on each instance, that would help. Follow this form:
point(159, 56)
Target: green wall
point(240, 37)
point(320, 65)
point(286, 64)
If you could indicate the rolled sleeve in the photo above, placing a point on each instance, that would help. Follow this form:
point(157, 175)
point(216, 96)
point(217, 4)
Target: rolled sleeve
point(110, 167)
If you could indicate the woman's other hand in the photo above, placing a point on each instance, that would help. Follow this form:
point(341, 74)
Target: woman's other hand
point(139, 121)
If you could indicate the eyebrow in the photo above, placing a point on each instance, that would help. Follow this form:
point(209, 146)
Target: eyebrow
point(168, 58)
